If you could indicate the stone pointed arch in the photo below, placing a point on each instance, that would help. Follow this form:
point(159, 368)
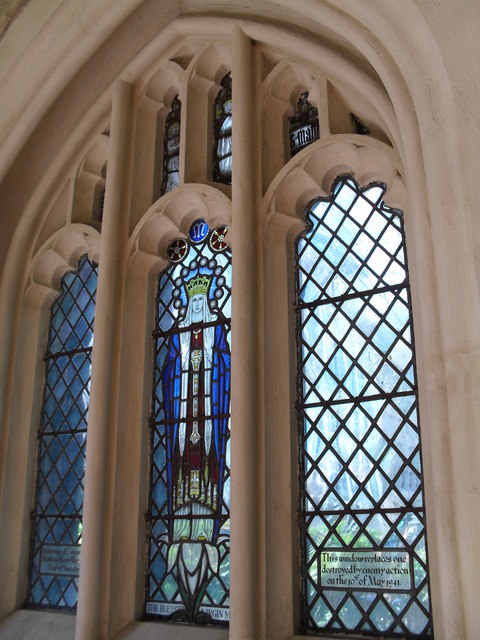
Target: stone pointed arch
point(306, 177)
point(57, 256)
point(172, 215)
point(280, 91)
point(61, 254)
point(312, 172)
point(157, 94)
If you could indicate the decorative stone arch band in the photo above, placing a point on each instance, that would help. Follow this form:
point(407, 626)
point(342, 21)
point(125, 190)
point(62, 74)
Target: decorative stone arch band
point(57, 257)
point(172, 217)
point(61, 254)
point(312, 172)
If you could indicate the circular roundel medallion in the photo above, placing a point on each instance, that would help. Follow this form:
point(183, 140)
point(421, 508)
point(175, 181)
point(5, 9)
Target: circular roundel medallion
point(177, 250)
point(198, 231)
point(217, 239)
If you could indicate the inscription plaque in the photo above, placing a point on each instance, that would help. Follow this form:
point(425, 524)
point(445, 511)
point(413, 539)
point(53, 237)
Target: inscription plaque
point(162, 608)
point(167, 608)
point(61, 560)
point(382, 570)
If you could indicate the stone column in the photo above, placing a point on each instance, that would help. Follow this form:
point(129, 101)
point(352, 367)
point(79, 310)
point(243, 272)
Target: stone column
point(244, 510)
point(92, 614)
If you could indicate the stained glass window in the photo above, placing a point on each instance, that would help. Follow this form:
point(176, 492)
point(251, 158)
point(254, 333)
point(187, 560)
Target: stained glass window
point(222, 128)
point(189, 528)
point(303, 126)
point(171, 147)
point(57, 513)
point(362, 513)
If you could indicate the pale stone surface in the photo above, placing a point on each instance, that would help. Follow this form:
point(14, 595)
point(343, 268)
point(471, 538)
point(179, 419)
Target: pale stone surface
point(153, 631)
point(37, 625)
point(411, 69)
point(8, 9)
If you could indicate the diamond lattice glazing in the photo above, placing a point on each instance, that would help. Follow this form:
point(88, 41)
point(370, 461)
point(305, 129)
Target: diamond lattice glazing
point(57, 513)
point(361, 477)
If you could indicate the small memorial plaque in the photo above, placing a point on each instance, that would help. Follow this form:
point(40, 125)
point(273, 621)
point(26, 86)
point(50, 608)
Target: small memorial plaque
point(382, 570)
point(61, 560)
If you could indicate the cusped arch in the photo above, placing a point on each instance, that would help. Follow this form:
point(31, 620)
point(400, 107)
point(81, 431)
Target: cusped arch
point(279, 94)
point(155, 103)
point(162, 85)
point(210, 65)
point(287, 80)
point(312, 172)
point(96, 157)
point(60, 255)
point(205, 74)
point(172, 215)
point(90, 183)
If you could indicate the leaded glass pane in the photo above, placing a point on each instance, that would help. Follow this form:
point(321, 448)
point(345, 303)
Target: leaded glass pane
point(189, 527)
point(364, 560)
point(303, 126)
point(171, 147)
point(222, 128)
point(57, 513)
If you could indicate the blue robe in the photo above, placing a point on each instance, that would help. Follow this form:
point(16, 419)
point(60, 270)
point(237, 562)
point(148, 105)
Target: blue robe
point(212, 464)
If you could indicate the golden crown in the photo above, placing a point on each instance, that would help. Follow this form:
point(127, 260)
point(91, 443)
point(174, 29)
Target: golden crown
point(196, 285)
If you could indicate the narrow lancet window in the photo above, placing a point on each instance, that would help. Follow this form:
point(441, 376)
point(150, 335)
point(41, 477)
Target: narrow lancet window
point(222, 128)
point(362, 512)
point(57, 514)
point(189, 528)
point(303, 128)
point(171, 147)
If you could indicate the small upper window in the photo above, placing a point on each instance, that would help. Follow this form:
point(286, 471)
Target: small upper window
point(222, 128)
point(303, 128)
point(358, 126)
point(99, 196)
point(171, 147)
point(102, 204)
point(57, 513)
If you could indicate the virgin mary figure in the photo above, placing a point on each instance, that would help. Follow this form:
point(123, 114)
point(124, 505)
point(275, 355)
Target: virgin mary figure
point(196, 392)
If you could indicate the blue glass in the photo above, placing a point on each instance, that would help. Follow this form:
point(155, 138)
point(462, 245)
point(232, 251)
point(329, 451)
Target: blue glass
point(56, 537)
point(190, 437)
point(198, 231)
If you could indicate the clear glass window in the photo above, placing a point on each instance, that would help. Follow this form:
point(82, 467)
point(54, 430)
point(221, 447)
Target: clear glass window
point(222, 128)
point(362, 512)
point(171, 147)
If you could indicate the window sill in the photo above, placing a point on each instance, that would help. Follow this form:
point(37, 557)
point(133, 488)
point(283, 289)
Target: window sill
point(158, 631)
point(26, 624)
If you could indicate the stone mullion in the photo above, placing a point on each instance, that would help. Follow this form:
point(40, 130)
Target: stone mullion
point(244, 591)
point(94, 587)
